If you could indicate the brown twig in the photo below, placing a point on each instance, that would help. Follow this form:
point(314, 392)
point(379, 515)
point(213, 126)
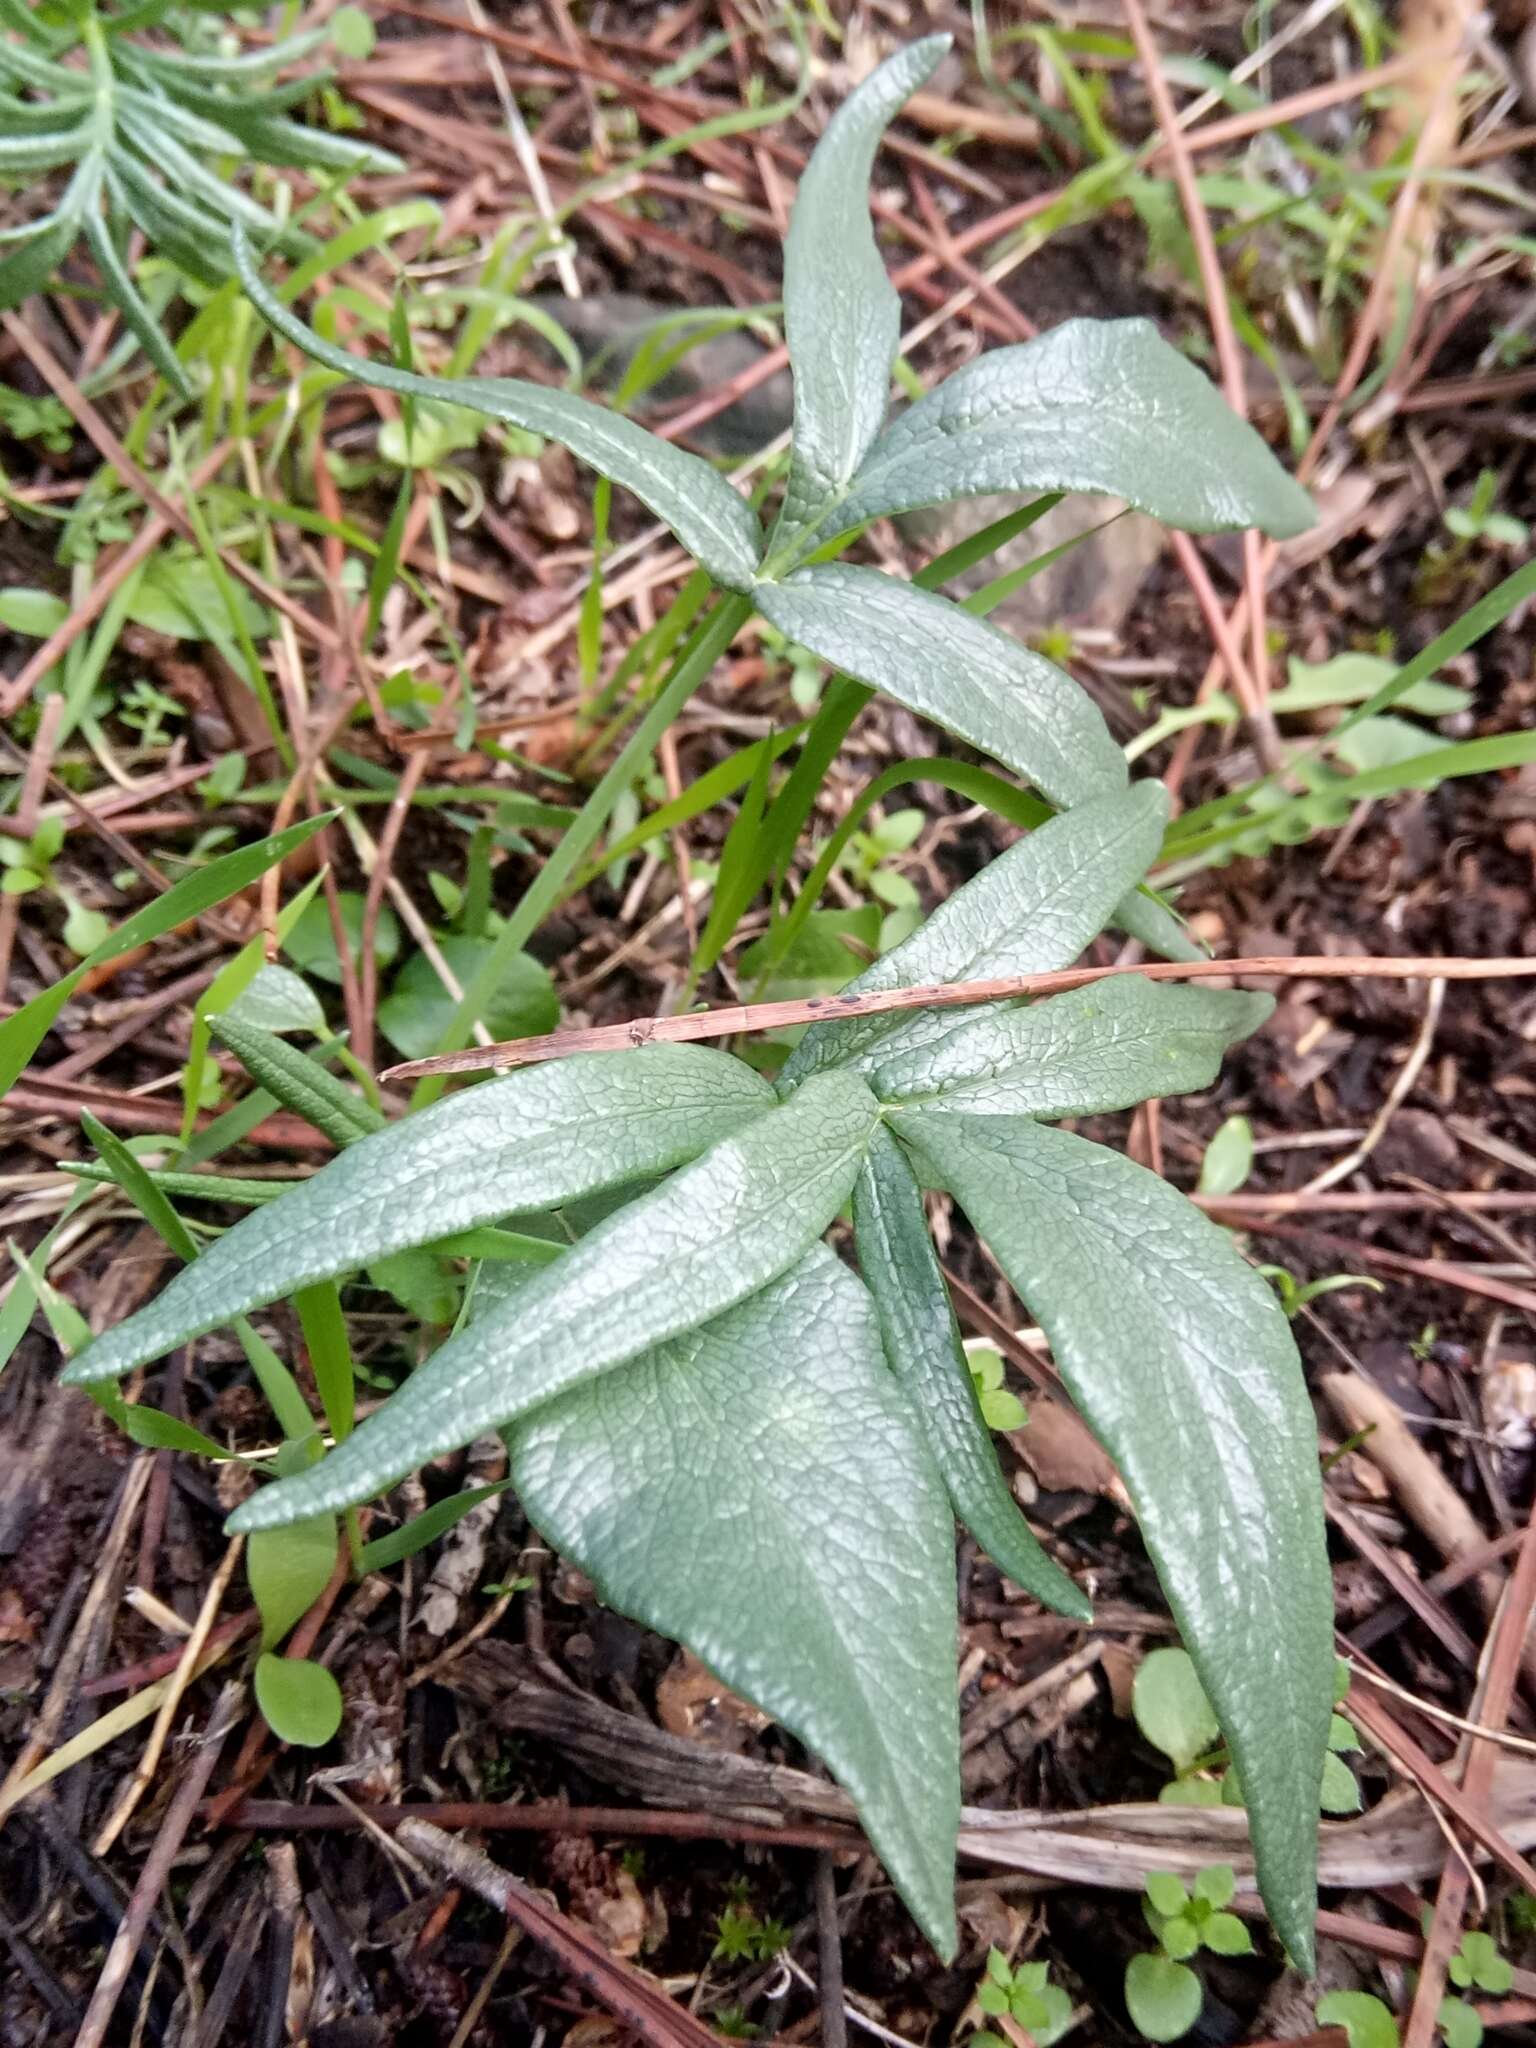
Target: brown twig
point(278, 1816)
point(632, 1997)
point(734, 1017)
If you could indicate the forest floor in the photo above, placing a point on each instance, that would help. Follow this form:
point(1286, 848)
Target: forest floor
point(1376, 233)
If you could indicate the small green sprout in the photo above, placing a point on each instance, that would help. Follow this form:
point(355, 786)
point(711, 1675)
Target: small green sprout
point(741, 1937)
point(1173, 1713)
point(1477, 520)
point(1000, 1409)
point(26, 869)
point(1024, 1993)
point(1162, 1994)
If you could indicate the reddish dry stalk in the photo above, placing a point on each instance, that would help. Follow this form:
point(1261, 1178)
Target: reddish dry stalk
point(734, 1017)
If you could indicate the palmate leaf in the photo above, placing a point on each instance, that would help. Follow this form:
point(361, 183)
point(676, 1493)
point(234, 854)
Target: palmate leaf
point(1115, 1043)
point(1028, 912)
point(528, 1142)
point(954, 668)
point(718, 528)
point(923, 1350)
point(757, 1490)
point(704, 1240)
point(841, 313)
point(1184, 1366)
point(1094, 405)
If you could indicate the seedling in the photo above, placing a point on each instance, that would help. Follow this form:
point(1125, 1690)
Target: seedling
point(741, 1937)
point(638, 1370)
point(1162, 1994)
point(1477, 520)
point(26, 869)
point(1295, 1295)
point(1000, 1407)
point(1174, 1714)
point(1024, 1993)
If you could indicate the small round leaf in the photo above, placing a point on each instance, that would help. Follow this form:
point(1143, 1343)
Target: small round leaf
point(1171, 1708)
point(299, 1700)
point(1162, 1997)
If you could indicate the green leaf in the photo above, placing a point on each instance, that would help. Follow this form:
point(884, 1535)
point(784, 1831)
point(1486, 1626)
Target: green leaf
point(524, 1143)
point(1459, 2024)
point(1032, 909)
point(1354, 678)
point(717, 527)
point(311, 944)
point(1228, 1158)
point(353, 32)
point(1366, 2021)
point(23, 1031)
point(299, 1700)
point(923, 1350)
point(841, 313)
point(1184, 1366)
point(1225, 1935)
point(1166, 1892)
point(179, 594)
point(425, 1528)
point(30, 265)
point(277, 999)
point(954, 668)
point(993, 1999)
point(298, 1082)
point(37, 613)
point(1162, 1997)
point(702, 1241)
point(1179, 1936)
point(415, 1015)
point(1094, 405)
point(1103, 1047)
point(288, 1570)
point(1340, 1792)
point(757, 1489)
point(1343, 1736)
point(1489, 1970)
point(1216, 1884)
point(84, 929)
point(159, 1432)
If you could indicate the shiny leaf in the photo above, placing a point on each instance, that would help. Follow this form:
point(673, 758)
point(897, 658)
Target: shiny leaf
point(1117, 1042)
point(1094, 405)
point(923, 1350)
point(1183, 1365)
point(758, 1490)
point(702, 1241)
point(954, 668)
point(528, 1142)
point(1028, 912)
point(841, 312)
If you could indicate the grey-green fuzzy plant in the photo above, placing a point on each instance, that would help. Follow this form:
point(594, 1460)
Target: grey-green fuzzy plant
point(136, 128)
point(745, 1443)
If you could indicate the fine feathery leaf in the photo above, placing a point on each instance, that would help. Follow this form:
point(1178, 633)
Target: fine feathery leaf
point(923, 1350)
point(757, 1489)
point(1184, 1366)
point(524, 1143)
point(1095, 1049)
point(1028, 912)
point(949, 666)
point(692, 1248)
point(841, 313)
point(717, 526)
point(1095, 405)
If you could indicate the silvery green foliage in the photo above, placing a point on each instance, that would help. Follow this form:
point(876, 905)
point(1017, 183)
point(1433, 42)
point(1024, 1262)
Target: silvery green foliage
point(745, 1444)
